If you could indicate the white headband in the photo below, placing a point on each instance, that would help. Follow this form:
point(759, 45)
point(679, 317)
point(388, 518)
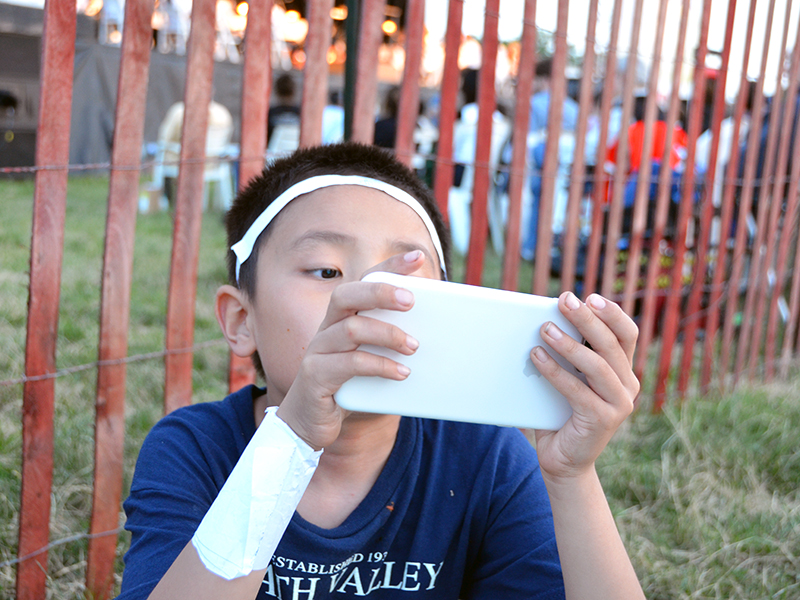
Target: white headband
point(244, 247)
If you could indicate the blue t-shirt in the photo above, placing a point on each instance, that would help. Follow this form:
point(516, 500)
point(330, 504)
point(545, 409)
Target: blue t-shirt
point(459, 511)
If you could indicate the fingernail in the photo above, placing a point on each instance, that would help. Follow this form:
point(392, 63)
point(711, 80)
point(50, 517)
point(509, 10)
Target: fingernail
point(403, 370)
point(553, 331)
point(571, 301)
point(411, 342)
point(540, 354)
point(596, 301)
point(412, 256)
point(404, 297)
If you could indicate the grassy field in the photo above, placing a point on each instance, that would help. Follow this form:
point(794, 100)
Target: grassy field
point(705, 494)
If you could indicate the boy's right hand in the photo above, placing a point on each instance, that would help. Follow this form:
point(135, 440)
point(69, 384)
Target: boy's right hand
point(332, 356)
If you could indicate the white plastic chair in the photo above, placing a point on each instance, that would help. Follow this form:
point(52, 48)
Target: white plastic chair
point(219, 151)
point(459, 200)
point(284, 140)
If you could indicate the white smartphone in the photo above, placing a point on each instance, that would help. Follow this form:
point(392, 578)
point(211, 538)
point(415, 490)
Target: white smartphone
point(473, 362)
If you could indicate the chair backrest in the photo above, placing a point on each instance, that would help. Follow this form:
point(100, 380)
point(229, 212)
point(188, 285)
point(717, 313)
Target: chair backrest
point(285, 138)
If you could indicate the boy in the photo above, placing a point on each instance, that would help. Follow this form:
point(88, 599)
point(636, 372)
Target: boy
point(230, 502)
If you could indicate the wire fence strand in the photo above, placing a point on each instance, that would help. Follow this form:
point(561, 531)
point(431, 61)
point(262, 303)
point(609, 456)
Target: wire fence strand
point(117, 361)
point(72, 538)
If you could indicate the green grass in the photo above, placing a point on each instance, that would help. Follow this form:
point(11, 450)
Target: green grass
point(705, 494)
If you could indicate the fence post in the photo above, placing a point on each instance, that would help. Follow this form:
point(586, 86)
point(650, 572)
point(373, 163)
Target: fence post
point(315, 71)
point(726, 218)
point(704, 231)
point(745, 204)
point(576, 187)
point(366, 83)
point(777, 230)
point(558, 91)
point(672, 311)
point(47, 247)
point(256, 85)
point(486, 107)
point(188, 208)
point(443, 179)
point(408, 107)
point(642, 198)
point(661, 210)
point(598, 194)
point(518, 173)
point(761, 260)
point(116, 292)
point(620, 177)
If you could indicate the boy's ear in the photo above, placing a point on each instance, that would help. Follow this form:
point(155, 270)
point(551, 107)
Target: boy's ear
point(232, 309)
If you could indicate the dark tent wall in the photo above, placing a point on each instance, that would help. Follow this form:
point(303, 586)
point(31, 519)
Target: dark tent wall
point(94, 92)
point(95, 95)
point(20, 51)
point(19, 98)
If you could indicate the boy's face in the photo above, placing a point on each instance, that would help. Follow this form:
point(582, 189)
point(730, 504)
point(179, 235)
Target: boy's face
point(319, 241)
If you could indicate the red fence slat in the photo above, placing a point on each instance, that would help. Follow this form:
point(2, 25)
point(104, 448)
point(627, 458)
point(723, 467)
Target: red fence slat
point(672, 310)
point(188, 207)
point(726, 217)
point(642, 198)
point(315, 71)
point(116, 290)
point(790, 227)
point(615, 207)
point(256, 85)
point(600, 178)
point(769, 205)
point(369, 41)
point(408, 107)
point(47, 247)
point(652, 296)
point(518, 174)
point(447, 107)
point(787, 234)
point(704, 233)
point(578, 181)
point(745, 204)
point(558, 91)
point(486, 107)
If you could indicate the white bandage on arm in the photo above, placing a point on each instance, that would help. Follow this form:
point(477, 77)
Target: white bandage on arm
point(241, 530)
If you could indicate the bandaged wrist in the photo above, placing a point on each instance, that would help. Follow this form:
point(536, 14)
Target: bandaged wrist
point(241, 530)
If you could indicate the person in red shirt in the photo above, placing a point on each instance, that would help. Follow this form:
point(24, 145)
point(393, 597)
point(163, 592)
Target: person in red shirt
point(636, 148)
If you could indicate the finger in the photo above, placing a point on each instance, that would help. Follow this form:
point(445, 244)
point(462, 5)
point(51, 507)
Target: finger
point(352, 332)
point(402, 264)
point(624, 328)
point(327, 372)
point(583, 399)
point(350, 298)
point(596, 331)
point(613, 386)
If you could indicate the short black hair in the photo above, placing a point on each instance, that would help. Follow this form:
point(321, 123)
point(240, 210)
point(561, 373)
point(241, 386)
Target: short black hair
point(285, 87)
point(544, 68)
point(469, 85)
point(347, 158)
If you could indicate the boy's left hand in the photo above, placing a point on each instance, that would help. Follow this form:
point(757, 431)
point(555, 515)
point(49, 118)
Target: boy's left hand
point(601, 404)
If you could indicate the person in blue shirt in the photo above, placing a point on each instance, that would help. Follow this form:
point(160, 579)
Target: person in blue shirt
point(540, 101)
point(537, 140)
point(277, 492)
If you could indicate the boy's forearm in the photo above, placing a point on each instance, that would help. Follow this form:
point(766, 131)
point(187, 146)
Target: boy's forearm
point(189, 578)
point(593, 558)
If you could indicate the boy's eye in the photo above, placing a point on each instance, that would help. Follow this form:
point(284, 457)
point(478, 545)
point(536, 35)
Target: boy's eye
point(326, 273)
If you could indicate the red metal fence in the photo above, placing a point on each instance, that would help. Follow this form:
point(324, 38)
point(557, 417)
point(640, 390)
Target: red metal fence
point(659, 244)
